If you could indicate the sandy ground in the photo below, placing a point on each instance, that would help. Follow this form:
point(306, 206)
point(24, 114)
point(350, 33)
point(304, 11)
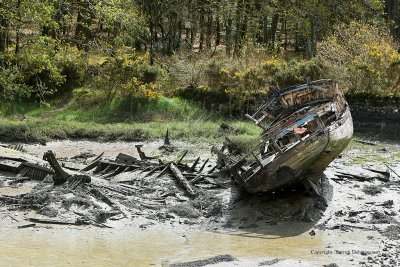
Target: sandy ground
point(359, 226)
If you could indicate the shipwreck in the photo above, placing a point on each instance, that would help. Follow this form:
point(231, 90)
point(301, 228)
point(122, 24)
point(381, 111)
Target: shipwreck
point(304, 129)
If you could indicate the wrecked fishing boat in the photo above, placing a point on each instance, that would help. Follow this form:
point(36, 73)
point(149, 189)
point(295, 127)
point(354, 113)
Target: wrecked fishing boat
point(304, 128)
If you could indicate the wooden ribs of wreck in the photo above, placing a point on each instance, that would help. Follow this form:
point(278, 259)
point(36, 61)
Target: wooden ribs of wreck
point(304, 128)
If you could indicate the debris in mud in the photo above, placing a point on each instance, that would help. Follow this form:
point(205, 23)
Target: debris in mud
point(372, 190)
point(209, 261)
point(120, 187)
point(182, 190)
point(269, 262)
point(330, 265)
point(381, 218)
point(392, 232)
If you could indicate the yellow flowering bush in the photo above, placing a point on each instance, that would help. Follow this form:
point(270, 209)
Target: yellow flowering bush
point(363, 58)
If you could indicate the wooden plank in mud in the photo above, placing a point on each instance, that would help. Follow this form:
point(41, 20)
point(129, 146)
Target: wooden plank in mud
point(183, 181)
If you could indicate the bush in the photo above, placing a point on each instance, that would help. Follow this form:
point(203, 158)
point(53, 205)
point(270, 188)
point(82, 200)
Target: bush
point(41, 68)
point(11, 86)
point(363, 58)
point(238, 86)
point(126, 75)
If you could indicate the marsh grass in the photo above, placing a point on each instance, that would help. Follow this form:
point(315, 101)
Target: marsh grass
point(148, 120)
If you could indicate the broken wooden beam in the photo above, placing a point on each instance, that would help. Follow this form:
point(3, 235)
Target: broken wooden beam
point(126, 159)
point(60, 175)
point(193, 168)
point(167, 142)
point(164, 171)
point(90, 166)
point(182, 157)
point(204, 165)
point(50, 221)
point(26, 225)
point(142, 155)
point(183, 181)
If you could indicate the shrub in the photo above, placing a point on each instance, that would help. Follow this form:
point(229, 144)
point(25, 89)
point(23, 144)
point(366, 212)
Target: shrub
point(363, 58)
point(41, 68)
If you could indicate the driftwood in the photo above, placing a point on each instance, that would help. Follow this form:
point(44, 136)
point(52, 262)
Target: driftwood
point(182, 157)
point(50, 221)
point(165, 170)
point(167, 142)
point(392, 170)
point(60, 175)
point(90, 166)
point(193, 168)
point(204, 165)
point(185, 183)
point(27, 225)
point(364, 142)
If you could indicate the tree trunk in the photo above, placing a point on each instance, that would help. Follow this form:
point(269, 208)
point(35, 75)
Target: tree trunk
point(239, 25)
point(312, 42)
point(274, 27)
point(209, 30)
point(151, 41)
point(218, 31)
point(83, 22)
point(228, 37)
point(265, 30)
point(285, 33)
point(392, 15)
point(3, 34)
point(201, 30)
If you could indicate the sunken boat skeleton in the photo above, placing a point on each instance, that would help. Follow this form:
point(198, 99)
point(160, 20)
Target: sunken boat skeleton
point(304, 128)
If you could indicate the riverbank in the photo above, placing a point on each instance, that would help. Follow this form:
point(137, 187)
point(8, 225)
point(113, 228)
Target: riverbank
point(378, 119)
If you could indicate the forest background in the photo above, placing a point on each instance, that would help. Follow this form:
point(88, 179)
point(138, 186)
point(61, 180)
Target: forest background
point(119, 68)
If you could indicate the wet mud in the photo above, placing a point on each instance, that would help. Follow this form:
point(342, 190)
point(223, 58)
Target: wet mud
point(355, 223)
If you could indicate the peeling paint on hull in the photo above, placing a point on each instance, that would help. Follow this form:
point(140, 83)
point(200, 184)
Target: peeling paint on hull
point(304, 139)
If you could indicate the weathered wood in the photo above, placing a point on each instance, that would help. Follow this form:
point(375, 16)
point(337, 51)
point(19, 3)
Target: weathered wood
point(392, 170)
point(90, 166)
point(126, 159)
point(101, 196)
point(193, 168)
point(142, 155)
point(204, 165)
point(98, 157)
point(27, 225)
point(50, 221)
point(182, 157)
point(164, 171)
point(364, 142)
point(60, 175)
point(167, 142)
point(183, 181)
point(213, 169)
point(197, 179)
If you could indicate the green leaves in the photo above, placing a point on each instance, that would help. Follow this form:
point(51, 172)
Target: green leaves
point(363, 57)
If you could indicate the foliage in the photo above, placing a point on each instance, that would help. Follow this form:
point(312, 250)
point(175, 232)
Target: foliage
point(236, 83)
point(41, 68)
point(363, 58)
point(11, 85)
point(128, 74)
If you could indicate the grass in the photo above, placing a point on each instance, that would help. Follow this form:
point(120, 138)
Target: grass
point(147, 120)
point(37, 130)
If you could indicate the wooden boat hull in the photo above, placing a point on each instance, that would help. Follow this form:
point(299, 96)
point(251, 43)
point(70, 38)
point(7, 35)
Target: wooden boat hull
point(307, 160)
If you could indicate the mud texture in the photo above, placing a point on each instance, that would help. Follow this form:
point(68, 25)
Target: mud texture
point(360, 194)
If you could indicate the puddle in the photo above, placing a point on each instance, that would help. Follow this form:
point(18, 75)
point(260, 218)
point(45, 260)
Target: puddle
point(130, 247)
point(10, 191)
